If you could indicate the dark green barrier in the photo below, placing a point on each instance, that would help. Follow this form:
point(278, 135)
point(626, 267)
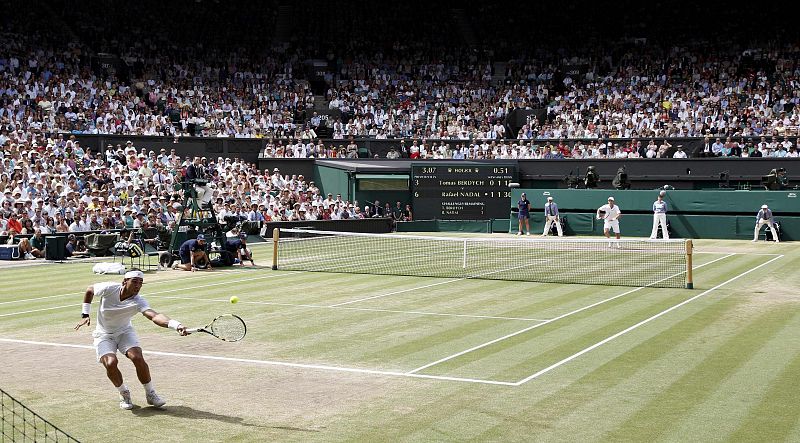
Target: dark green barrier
point(475, 226)
point(681, 226)
point(729, 202)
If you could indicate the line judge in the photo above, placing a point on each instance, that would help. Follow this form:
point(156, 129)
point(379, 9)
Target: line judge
point(551, 217)
point(660, 216)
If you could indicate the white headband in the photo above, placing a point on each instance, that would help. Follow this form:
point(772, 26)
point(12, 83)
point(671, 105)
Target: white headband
point(134, 274)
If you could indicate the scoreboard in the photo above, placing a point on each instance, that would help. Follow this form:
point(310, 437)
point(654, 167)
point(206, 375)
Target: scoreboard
point(461, 191)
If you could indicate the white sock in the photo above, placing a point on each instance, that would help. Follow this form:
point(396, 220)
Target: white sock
point(122, 388)
point(148, 387)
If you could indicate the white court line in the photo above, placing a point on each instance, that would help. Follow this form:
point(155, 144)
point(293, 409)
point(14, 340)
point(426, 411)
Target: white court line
point(643, 322)
point(434, 284)
point(737, 253)
point(297, 305)
point(277, 363)
point(147, 284)
point(474, 348)
point(166, 291)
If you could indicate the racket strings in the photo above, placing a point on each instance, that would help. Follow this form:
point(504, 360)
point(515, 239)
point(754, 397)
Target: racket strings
point(229, 328)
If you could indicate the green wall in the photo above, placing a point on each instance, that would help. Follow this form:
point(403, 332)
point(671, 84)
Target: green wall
point(738, 202)
point(477, 226)
point(725, 214)
point(334, 181)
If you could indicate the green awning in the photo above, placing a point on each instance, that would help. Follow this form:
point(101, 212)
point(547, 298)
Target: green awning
point(382, 176)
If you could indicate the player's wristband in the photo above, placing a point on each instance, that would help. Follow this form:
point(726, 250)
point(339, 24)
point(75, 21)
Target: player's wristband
point(86, 308)
point(174, 324)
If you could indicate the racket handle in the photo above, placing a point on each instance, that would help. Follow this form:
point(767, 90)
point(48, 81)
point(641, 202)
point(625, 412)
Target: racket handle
point(189, 331)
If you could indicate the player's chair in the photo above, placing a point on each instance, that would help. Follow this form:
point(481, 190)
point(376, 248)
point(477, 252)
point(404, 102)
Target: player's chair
point(139, 253)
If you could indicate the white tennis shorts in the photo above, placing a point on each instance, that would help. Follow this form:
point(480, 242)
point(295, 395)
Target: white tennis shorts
point(109, 343)
point(611, 224)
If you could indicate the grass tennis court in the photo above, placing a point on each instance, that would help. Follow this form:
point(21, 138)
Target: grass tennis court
point(332, 357)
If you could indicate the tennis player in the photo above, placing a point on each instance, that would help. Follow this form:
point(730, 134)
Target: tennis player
point(764, 217)
point(660, 216)
point(610, 214)
point(114, 331)
point(524, 206)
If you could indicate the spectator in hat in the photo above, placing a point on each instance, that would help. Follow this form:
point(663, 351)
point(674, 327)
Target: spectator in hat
point(679, 153)
point(764, 217)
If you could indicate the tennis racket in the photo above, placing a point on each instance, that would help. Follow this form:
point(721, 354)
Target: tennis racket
point(226, 327)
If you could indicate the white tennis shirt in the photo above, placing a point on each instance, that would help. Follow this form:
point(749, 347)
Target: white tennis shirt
point(115, 315)
point(611, 213)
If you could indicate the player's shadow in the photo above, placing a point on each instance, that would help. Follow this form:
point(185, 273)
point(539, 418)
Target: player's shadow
point(187, 412)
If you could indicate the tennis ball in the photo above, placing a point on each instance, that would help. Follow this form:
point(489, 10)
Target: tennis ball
point(234, 299)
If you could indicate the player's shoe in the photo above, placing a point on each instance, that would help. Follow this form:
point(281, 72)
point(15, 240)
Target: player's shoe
point(154, 400)
point(125, 400)
point(753, 241)
point(519, 233)
point(527, 233)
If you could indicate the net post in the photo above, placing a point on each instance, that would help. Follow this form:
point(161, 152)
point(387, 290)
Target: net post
point(275, 236)
point(689, 278)
point(464, 259)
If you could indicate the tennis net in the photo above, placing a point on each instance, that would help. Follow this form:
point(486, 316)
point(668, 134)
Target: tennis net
point(18, 423)
point(555, 260)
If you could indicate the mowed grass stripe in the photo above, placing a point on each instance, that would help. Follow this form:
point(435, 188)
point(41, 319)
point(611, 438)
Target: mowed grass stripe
point(532, 300)
point(750, 388)
point(656, 417)
point(439, 341)
point(776, 417)
point(634, 375)
point(598, 394)
point(57, 287)
point(18, 311)
point(520, 355)
point(553, 341)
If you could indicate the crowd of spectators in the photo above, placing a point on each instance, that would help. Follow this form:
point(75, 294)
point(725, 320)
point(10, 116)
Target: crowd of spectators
point(411, 83)
point(53, 185)
point(774, 147)
point(448, 81)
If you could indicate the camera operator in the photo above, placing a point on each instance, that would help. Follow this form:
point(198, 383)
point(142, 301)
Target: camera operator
point(592, 178)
